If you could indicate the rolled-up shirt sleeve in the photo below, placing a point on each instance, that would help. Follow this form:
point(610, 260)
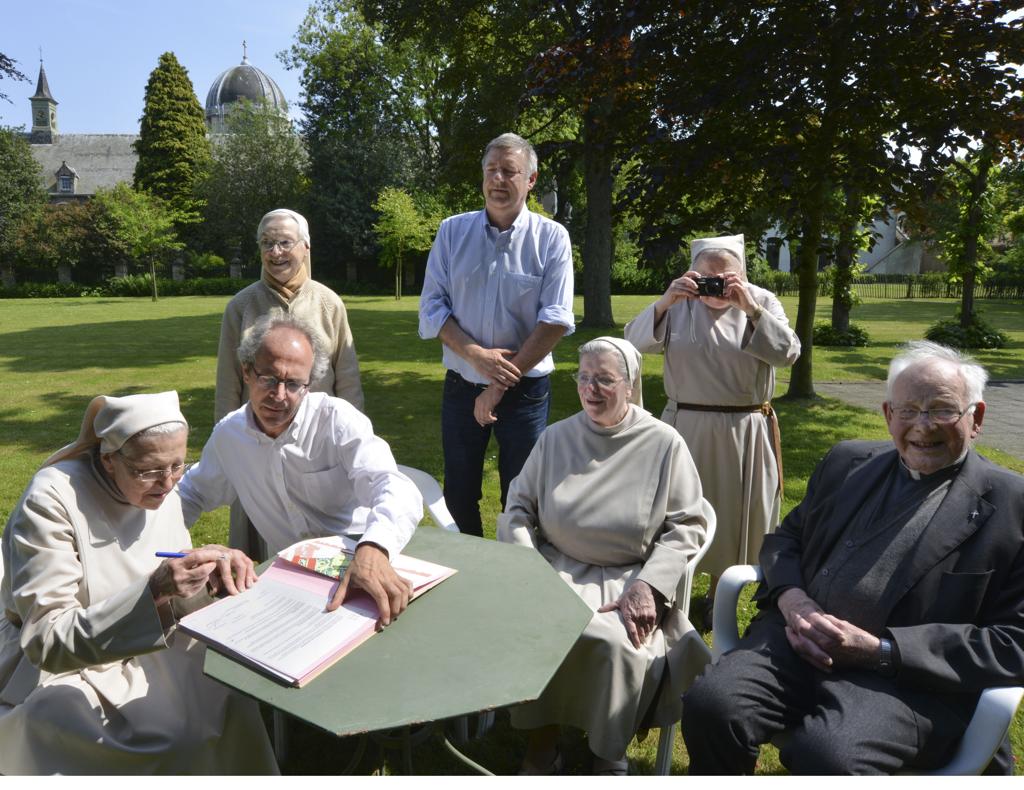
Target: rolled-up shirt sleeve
point(557, 288)
point(435, 299)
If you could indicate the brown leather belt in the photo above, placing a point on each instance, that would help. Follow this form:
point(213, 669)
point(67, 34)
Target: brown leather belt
point(765, 409)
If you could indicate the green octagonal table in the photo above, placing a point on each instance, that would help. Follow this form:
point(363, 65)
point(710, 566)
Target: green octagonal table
point(490, 636)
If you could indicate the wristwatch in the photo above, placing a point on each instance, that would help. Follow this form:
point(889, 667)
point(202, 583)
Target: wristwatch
point(886, 659)
point(758, 312)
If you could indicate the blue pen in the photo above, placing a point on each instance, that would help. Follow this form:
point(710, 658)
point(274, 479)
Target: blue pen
point(174, 555)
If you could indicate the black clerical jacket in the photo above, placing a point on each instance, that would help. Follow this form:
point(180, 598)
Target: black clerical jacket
point(956, 609)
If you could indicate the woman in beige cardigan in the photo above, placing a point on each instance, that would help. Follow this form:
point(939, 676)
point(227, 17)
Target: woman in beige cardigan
point(284, 284)
point(611, 498)
point(94, 676)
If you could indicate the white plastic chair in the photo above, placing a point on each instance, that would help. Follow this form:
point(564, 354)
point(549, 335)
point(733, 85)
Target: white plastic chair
point(663, 762)
point(433, 497)
point(984, 734)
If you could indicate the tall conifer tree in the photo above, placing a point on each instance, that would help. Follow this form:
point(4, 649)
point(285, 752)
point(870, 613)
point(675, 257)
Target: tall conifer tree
point(173, 150)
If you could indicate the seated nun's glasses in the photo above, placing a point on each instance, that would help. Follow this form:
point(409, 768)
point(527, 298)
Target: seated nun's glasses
point(153, 475)
point(603, 382)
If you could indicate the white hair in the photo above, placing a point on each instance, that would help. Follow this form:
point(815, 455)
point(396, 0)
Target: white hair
point(254, 338)
point(513, 142)
point(922, 352)
point(294, 216)
point(161, 429)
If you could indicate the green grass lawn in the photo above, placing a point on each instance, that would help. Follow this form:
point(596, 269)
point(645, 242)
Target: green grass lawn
point(56, 354)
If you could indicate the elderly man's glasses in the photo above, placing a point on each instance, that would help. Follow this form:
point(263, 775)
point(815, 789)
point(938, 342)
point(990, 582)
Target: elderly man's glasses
point(271, 383)
point(286, 245)
point(600, 381)
point(940, 416)
point(153, 475)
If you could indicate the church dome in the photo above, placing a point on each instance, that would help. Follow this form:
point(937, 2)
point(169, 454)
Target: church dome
point(243, 81)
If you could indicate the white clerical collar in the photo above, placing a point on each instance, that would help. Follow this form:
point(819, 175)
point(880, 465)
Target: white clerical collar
point(915, 475)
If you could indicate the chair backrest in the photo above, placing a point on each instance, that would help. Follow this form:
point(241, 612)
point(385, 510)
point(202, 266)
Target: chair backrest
point(433, 497)
point(691, 569)
point(988, 726)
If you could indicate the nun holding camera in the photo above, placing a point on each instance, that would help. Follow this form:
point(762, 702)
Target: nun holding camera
point(722, 338)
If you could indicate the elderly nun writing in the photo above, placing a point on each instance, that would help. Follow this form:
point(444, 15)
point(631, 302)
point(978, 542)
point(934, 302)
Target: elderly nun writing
point(722, 338)
point(611, 498)
point(94, 677)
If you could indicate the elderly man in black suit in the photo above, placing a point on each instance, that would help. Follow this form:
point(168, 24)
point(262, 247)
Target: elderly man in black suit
point(893, 594)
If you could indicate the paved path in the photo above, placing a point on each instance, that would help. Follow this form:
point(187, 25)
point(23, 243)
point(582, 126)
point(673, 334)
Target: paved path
point(1003, 427)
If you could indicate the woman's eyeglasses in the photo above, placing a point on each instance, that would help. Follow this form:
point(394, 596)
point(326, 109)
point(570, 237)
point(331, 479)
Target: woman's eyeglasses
point(601, 381)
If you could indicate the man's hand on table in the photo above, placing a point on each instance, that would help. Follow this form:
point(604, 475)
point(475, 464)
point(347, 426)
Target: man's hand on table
point(371, 571)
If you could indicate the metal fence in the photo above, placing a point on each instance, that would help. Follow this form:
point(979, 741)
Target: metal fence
point(932, 285)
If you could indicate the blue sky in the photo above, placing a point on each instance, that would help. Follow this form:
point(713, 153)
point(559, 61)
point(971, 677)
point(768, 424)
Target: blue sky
point(98, 54)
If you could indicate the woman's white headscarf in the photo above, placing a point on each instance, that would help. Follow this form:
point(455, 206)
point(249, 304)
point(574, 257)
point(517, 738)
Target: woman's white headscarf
point(634, 364)
point(111, 421)
point(733, 244)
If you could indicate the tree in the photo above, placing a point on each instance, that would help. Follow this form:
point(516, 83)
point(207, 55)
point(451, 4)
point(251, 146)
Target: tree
point(401, 228)
point(806, 108)
point(139, 224)
point(9, 71)
point(258, 165)
point(364, 124)
point(51, 239)
point(21, 191)
point(174, 153)
point(571, 69)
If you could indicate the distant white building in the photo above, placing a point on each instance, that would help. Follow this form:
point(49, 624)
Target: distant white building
point(894, 252)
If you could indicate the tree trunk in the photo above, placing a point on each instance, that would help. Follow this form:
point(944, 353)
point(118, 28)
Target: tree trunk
point(801, 382)
point(971, 232)
point(597, 242)
point(842, 299)
point(152, 276)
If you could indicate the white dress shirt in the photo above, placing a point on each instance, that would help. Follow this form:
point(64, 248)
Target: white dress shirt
point(326, 474)
point(497, 284)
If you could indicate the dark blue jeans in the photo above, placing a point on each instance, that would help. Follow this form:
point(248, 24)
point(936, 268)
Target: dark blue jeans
point(522, 416)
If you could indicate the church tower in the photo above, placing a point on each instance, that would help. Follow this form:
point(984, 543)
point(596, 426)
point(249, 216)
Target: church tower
point(44, 111)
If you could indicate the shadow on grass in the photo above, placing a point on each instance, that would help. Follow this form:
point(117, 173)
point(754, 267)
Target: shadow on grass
point(115, 344)
point(47, 436)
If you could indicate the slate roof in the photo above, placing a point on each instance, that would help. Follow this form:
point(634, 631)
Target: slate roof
point(100, 160)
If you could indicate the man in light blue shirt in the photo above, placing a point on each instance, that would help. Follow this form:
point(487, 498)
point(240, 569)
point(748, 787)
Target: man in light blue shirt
point(498, 293)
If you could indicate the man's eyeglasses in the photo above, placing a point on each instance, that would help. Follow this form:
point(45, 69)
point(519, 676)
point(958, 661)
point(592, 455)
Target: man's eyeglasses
point(601, 381)
point(271, 383)
point(153, 475)
point(941, 416)
point(506, 173)
point(286, 245)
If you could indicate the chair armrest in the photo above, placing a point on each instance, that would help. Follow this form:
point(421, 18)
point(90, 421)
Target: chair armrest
point(725, 631)
point(992, 716)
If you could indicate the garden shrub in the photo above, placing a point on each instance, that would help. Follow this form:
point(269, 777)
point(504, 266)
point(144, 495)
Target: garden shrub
point(825, 335)
point(979, 334)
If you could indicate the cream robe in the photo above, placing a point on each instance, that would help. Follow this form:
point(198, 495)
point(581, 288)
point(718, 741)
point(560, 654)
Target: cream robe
point(606, 506)
point(91, 683)
point(313, 302)
point(720, 358)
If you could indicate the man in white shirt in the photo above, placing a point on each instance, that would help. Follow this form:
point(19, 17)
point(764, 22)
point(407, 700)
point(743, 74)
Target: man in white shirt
point(307, 464)
point(498, 292)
